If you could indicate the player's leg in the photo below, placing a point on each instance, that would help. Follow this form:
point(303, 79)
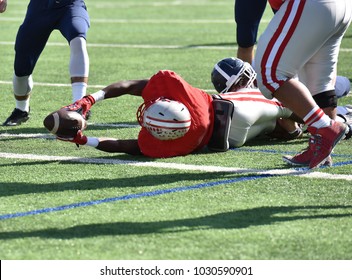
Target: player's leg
point(279, 58)
point(79, 67)
point(74, 27)
point(248, 14)
point(30, 42)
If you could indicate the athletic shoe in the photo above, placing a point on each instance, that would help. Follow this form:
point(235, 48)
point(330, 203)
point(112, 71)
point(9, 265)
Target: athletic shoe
point(323, 141)
point(303, 159)
point(16, 118)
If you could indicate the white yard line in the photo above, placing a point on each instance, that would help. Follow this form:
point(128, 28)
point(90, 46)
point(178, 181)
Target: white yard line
point(142, 21)
point(147, 46)
point(205, 168)
point(136, 46)
point(69, 85)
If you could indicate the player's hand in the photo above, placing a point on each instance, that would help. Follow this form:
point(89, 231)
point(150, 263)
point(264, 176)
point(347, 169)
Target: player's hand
point(79, 138)
point(82, 106)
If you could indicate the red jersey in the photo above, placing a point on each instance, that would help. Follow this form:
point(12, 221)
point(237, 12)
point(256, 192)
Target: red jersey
point(276, 4)
point(170, 85)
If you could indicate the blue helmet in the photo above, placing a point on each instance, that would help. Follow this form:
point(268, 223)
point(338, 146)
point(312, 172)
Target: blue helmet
point(230, 71)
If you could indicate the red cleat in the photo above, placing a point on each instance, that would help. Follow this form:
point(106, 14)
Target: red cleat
point(321, 144)
point(324, 140)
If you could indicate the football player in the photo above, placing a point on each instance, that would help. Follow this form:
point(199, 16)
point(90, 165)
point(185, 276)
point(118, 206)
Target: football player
point(166, 85)
point(251, 114)
point(248, 14)
point(211, 116)
point(294, 43)
point(255, 115)
point(71, 18)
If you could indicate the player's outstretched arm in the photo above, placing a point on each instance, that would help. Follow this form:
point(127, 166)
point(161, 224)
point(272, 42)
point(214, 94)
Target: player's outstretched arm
point(133, 87)
point(109, 145)
point(119, 146)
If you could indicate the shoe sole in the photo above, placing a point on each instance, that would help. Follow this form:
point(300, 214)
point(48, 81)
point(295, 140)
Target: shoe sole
point(288, 159)
point(17, 123)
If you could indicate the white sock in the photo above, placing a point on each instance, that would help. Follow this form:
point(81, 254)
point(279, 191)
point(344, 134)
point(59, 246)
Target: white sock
point(323, 122)
point(78, 90)
point(317, 118)
point(23, 105)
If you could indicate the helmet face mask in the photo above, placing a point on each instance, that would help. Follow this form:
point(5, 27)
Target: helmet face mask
point(230, 72)
point(165, 119)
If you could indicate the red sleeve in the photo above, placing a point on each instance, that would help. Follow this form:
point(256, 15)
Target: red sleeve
point(170, 85)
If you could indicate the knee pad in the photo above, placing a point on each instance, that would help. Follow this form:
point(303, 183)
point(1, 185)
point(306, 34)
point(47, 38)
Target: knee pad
point(22, 86)
point(326, 99)
point(79, 59)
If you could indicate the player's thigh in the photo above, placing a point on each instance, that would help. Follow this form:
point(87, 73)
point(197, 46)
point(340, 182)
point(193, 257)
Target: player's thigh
point(30, 41)
point(281, 54)
point(75, 22)
point(248, 14)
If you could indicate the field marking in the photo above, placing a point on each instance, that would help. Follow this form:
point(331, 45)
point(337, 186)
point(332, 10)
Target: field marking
point(148, 46)
point(253, 174)
point(128, 197)
point(139, 46)
point(69, 85)
point(150, 194)
point(53, 84)
point(190, 167)
point(143, 21)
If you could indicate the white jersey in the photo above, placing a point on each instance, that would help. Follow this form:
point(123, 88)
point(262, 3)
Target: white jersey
point(253, 115)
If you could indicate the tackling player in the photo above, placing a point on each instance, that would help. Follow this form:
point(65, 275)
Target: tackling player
point(293, 43)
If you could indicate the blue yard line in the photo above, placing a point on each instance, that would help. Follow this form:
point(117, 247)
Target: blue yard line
point(131, 196)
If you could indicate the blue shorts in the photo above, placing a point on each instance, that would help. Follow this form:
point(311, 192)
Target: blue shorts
point(70, 17)
point(248, 14)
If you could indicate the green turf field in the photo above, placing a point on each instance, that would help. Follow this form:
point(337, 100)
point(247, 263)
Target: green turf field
point(60, 202)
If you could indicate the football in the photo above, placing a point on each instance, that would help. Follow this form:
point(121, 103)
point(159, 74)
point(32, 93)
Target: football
point(64, 123)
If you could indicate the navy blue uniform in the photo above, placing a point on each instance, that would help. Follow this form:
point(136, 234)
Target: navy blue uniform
point(248, 14)
point(70, 17)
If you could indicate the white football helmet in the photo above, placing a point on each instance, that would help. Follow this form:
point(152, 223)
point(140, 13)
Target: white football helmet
point(165, 119)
